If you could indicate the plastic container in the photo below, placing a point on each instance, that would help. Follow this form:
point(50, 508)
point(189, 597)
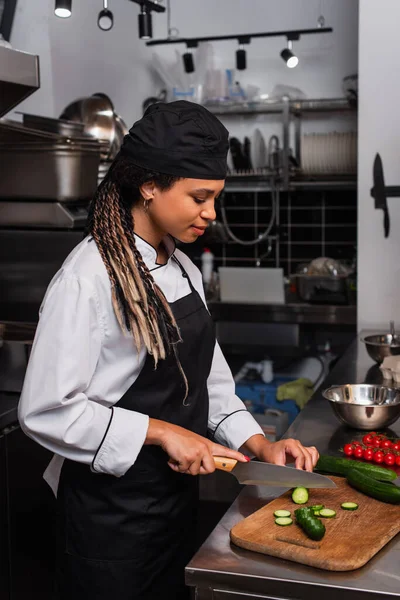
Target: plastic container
point(262, 396)
point(207, 266)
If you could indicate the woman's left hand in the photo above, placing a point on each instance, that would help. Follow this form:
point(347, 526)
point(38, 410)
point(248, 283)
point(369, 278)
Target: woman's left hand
point(279, 453)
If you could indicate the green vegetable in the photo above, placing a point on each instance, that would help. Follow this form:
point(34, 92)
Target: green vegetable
point(386, 492)
point(309, 523)
point(300, 495)
point(341, 466)
point(328, 513)
point(317, 507)
point(283, 521)
point(282, 513)
point(349, 506)
point(316, 513)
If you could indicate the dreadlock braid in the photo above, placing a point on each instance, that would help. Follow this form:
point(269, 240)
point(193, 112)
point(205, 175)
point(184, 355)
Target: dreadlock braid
point(139, 304)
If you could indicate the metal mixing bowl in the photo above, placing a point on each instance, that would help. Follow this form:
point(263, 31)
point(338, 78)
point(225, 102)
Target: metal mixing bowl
point(381, 345)
point(364, 406)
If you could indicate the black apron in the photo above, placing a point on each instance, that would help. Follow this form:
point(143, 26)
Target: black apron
point(131, 537)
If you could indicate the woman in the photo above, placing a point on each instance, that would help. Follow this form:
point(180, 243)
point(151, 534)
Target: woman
point(126, 380)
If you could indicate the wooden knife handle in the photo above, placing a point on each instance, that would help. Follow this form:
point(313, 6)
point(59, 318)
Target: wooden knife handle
point(224, 464)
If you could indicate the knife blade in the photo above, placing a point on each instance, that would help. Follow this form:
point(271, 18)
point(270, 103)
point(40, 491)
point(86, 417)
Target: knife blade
point(261, 473)
point(379, 192)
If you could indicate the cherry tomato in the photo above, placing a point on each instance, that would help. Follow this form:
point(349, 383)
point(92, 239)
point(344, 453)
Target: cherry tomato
point(397, 461)
point(368, 439)
point(356, 443)
point(358, 452)
point(368, 454)
point(376, 442)
point(389, 459)
point(348, 449)
point(396, 446)
point(386, 444)
point(378, 456)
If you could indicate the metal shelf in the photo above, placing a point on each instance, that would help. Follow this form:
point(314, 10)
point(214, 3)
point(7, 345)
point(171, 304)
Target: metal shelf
point(295, 106)
point(249, 183)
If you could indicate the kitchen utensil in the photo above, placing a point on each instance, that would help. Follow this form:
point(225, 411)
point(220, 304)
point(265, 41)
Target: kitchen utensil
point(253, 285)
point(351, 538)
point(380, 345)
point(105, 20)
point(97, 114)
point(52, 171)
point(238, 157)
point(380, 193)
point(261, 473)
point(259, 155)
point(364, 406)
point(319, 289)
point(58, 126)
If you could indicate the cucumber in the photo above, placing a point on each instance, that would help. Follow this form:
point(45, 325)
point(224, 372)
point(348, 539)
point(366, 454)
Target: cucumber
point(327, 513)
point(316, 513)
point(282, 513)
point(309, 523)
point(349, 506)
point(386, 492)
point(283, 521)
point(300, 495)
point(317, 507)
point(341, 466)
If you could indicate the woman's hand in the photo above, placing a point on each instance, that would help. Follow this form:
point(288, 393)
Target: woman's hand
point(188, 452)
point(279, 453)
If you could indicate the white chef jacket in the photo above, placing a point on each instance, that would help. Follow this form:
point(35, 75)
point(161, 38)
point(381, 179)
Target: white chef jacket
point(82, 363)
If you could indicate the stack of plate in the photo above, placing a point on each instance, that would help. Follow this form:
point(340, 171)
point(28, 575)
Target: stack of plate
point(329, 153)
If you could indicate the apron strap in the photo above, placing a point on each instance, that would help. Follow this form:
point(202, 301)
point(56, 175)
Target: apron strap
point(184, 274)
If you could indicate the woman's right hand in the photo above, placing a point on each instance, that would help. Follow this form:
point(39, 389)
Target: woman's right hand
point(188, 452)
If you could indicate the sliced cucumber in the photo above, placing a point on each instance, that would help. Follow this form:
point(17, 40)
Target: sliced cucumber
point(349, 506)
point(317, 507)
point(282, 513)
point(300, 495)
point(327, 513)
point(317, 513)
point(312, 526)
point(283, 521)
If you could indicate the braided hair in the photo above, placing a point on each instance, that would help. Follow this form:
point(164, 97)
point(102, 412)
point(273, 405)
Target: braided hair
point(139, 304)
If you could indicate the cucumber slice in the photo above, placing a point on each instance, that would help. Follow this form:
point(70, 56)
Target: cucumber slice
point(349, 506)
point(317, 507)
point(282, 513)
point(283, 521)
point(317, 513)
point(327, 513)
point(300, 495)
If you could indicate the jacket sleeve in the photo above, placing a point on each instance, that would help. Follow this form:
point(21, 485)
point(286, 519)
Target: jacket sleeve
point(229, 421)
point(54, 407)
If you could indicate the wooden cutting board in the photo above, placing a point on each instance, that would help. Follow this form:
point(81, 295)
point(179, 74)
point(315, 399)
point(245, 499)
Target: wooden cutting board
point(352, 538)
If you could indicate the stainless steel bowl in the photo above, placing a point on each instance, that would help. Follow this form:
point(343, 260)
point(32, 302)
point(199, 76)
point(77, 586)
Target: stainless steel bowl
point(364, 406)
point(381, 345)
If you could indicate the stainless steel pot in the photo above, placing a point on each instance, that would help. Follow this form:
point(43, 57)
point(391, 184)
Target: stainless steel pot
point(319, 289)
point(58, 126)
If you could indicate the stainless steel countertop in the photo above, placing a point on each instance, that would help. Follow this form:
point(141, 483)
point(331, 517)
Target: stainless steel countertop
point(292, 312)
point(220, 565)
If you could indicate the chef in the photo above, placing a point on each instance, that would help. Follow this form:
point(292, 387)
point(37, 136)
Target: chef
point(126, 383)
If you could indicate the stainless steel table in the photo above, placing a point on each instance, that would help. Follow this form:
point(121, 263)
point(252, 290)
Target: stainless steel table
point(222, 571)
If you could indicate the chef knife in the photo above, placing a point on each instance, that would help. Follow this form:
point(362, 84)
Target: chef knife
point(379, 192)
point(262, 473)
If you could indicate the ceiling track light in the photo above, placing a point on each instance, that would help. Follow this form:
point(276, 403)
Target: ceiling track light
point(105, 20)
point(63, 8)
point(288, 55)
point(188, 61)
point(241, 60)
point(145, 23)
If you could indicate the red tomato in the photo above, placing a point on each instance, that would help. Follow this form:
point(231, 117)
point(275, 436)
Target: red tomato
point(358, 452)
point(389, 459)
point(377, 442)
point(396, 446)
point(356, 443)
point(397, 461)
point(368, 454)
point(348, 449)
point(378, 456)
point(368, 439)
point(386, 444)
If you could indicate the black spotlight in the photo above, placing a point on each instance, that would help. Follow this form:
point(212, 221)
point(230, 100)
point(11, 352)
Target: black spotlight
point(63, 8)
point(105, 20)
point(188, 62)
point(241, 63)
point(289, 57)
point(145, 24)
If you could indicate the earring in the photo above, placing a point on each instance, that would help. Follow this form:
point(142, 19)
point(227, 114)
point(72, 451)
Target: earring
point(146, 203)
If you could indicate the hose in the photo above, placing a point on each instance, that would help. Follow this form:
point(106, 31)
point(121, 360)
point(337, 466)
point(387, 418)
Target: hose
point(262, 236)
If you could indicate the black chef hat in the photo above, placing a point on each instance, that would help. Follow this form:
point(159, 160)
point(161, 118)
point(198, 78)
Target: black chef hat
point(179, 138)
